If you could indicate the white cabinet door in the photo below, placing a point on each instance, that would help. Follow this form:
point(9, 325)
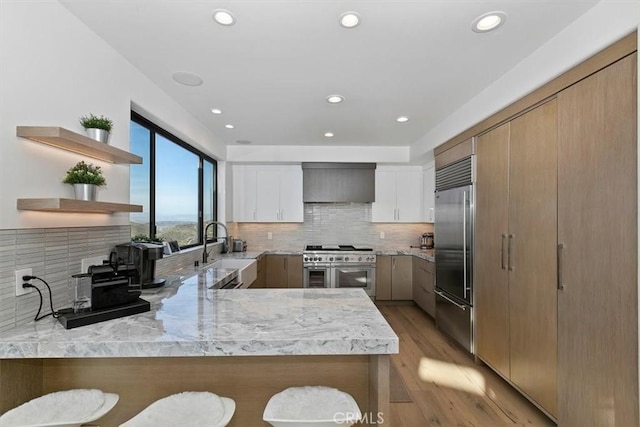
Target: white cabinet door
point(268, 195)
point(409, 196)
point(384, 208)
point(291, 205)
point(244, 194)
point(429, 188)
point(398, 195)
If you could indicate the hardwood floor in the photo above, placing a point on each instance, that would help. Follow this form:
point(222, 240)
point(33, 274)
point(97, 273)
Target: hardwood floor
point(447, 387)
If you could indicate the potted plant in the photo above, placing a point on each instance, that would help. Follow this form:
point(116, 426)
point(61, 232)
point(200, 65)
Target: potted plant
point(85, 178)
point(97, 128)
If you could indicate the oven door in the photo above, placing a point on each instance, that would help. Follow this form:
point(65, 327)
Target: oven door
point(316, 276)
point(350, 276)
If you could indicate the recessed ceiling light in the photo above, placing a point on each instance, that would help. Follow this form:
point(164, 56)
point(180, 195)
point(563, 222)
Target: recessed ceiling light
point(402, 119)
point(329, 134)
point(349, 19)
point(187, 79)
point(229, 126)
point(243, 141)
point(223, 17)
point(216, 111)
point(335, 99)
point(488, 21)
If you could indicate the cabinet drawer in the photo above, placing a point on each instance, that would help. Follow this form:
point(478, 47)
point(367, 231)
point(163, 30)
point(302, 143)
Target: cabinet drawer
point(426, 300)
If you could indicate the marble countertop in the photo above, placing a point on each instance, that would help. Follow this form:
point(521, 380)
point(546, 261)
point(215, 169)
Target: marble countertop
point(427, 254)
point(187, 318)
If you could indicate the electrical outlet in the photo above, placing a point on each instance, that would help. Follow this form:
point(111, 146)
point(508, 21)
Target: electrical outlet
point(269, 235)
point(19, 273)
point(382, 234)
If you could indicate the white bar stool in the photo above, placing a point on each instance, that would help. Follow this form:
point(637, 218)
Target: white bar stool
point(69, 408)
point(187, 409)
point(309, 406)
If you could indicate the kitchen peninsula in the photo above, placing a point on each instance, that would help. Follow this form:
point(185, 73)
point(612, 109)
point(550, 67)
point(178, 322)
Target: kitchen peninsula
point(244, 344)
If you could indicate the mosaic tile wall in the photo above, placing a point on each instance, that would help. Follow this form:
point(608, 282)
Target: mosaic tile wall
point(331, 223)
point(54, 254)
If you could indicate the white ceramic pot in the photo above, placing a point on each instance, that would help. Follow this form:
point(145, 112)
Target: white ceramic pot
point(98, 134)
point(85, 191)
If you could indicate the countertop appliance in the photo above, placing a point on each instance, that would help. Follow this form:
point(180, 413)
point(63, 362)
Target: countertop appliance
point(339, 266)
point(143, 256)
point(454, 218)
point(426, 241)
point(111, 297)
point(239, 245)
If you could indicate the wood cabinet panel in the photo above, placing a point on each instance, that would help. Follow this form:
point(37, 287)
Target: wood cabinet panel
point(491, 281)
point(532, 267)
point(423, 285)
point(383, 277)
point(294, 271)
point(401, 277)
point(597, 224)
point(276, 271)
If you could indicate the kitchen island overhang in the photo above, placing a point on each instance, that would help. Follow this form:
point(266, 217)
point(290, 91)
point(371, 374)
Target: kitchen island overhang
point(244, 344)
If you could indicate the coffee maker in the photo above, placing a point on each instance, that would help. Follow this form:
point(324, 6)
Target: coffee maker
point(426, 241)
point(143, 257)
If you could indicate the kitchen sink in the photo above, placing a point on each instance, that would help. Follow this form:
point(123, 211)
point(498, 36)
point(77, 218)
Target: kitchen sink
point(247, 269)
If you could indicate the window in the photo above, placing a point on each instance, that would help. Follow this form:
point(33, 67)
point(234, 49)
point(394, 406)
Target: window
point(175, 184)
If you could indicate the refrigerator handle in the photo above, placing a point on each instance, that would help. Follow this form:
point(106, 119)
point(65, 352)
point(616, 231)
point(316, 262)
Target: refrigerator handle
point(464, 242)
point(560, 268)
point(509, 263)
point(439, 293)
point(502, 253)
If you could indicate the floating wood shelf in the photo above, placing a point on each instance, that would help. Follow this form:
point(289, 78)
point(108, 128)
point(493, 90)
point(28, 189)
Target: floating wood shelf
point(71, 141)
point(73, 205)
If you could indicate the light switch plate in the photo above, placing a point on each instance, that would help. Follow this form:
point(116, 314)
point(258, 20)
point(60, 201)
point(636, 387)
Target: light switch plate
point(269, 235)
point(382, 234)
point(19, 273)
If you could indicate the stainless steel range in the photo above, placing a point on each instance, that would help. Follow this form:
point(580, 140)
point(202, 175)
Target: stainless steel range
point(340, 266)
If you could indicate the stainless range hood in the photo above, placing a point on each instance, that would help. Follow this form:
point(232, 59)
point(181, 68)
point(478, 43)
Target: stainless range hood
point(338, 182)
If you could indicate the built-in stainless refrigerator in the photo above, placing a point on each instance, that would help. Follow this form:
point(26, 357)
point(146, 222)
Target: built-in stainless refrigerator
point(454, 251)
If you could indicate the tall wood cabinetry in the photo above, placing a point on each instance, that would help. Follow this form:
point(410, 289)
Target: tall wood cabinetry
point(516, 234)
point(598, 249)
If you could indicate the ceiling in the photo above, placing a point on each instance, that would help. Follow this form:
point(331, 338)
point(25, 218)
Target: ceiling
point(271, 72)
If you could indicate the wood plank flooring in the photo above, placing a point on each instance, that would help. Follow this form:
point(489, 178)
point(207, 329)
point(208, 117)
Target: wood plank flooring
point(447, 387)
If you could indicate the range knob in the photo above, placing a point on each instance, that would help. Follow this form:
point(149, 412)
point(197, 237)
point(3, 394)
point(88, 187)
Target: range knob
point(315, 258)
point(346, 258)
point(330, 258)
point(359, 258)
point(319, 258)
point(306, 259)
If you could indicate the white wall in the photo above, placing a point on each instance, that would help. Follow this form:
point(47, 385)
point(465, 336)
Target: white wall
point(54, 70)
point(297, 154)
point(602, 25)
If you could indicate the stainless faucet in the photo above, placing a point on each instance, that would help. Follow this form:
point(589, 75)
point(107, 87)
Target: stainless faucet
point(205, 254)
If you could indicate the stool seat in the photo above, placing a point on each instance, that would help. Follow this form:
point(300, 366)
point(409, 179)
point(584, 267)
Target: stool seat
point(311, 406)
point(69, 408)
point(186, 409)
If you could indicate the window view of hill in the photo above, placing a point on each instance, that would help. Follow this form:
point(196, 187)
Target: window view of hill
point(185, 233)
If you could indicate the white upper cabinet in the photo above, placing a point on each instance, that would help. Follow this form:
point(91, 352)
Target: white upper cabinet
point(267, 193)
point(429, 188)
point(399, 194)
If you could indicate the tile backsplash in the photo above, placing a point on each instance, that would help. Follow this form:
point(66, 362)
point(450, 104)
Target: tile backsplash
point(331, 223)
point(54, 254)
